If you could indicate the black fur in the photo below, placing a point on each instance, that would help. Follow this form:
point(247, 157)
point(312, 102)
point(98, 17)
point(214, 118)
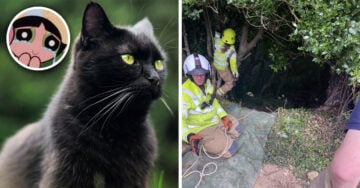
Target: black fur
point(97, 122)
point(118, 144)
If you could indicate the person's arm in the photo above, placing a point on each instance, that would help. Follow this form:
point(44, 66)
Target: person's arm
point(345, 167)
point(187, 135)
point(228, 124)
point(184, 125)
point(233, 65)
point(220, 111)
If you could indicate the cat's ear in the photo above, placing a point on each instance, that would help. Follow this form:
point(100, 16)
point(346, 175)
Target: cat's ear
point(95, 21)
point(144, 26)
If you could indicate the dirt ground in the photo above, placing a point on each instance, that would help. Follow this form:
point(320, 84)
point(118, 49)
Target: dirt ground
point(272, 176)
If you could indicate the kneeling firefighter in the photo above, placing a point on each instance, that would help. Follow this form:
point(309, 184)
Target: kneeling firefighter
point(205, 124)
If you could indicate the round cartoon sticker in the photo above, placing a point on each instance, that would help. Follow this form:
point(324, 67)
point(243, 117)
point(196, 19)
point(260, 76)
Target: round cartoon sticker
point(38, 38)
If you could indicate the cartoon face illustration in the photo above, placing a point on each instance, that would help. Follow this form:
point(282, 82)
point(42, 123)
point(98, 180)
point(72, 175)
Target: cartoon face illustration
point(35, 40)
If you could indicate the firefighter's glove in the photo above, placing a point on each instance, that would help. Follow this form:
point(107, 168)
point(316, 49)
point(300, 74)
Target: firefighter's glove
point(194, 140)
point(236, 75)
point(227, 122)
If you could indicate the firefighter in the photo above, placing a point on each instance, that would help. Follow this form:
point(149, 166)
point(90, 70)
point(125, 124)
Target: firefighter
point(204, 122)
point(225, 59)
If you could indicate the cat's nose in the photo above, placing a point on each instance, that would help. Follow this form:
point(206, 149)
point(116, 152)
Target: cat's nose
point(154, 80)
point(153, 77)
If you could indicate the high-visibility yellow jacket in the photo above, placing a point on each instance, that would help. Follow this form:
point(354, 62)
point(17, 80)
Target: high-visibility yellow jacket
point(221, 59)
point(195, 119)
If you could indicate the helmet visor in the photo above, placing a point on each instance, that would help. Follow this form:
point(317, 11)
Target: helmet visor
point(198, 71)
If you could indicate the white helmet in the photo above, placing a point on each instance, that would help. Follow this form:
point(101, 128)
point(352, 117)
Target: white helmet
point(195, 64)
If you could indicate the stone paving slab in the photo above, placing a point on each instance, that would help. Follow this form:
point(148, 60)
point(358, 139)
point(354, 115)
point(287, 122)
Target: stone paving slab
point(240, 171)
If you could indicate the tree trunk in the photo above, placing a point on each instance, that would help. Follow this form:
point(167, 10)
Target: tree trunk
point(210, 49)
point(186, 42)
point(245, 47)
point(267, 84)
point(339, 95)
point(209, 36)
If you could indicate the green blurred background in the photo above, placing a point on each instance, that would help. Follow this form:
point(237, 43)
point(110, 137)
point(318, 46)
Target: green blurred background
point(24, 94)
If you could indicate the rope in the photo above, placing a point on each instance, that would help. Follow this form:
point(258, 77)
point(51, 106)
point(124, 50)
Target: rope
point(202, 172)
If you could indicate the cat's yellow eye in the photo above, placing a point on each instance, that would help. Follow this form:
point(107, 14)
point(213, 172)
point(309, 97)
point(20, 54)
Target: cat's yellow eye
point(159, 65)
point(128, 59)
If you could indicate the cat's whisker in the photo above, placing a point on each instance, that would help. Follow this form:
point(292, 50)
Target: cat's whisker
point(99, 95)
point(167, 48)
point(126, 103)
point(165, 95)
point(100, 114)
point(114, 106)
point(128, 97)
point(169, 95)
point(110, 107)
point(169, 42)
point(166, 27)
point(167, 106)
point(99, 101)
point(139, 9)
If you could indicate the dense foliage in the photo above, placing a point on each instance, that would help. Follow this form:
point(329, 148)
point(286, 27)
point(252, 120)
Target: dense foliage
point(329, 31)
point(326, 31)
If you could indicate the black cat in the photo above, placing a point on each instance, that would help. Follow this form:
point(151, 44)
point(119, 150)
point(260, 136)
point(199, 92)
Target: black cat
point(95, 131)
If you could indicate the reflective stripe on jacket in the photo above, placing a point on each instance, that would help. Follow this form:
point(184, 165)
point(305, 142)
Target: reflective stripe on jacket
point(195, 119)
point(221, 60)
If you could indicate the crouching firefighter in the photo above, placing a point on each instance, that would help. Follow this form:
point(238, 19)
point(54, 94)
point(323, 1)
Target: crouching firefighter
point(225, 59)
point(205, 124)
